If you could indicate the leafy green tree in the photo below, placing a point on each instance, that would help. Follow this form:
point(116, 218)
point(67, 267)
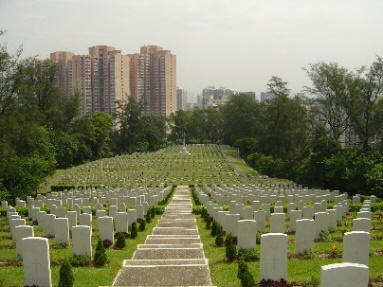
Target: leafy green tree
point(66, 274)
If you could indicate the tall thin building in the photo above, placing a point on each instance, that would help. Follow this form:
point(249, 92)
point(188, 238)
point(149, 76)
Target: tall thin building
point(63, 79)
point(159, 71)
point(81, 81)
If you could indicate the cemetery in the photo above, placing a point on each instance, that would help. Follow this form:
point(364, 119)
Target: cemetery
point(192, 215)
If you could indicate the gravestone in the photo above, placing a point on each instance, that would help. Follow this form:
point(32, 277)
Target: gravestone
point(85, 219)
point(260, 218)
point(356, 247)
point(21, 232)
point(72, 218)
point(121, 222)
point(274, 256)
point(61, 230)
point(247, 234)
point(304, 236)
point(344, 275)
point(361, 224)
point(81, 240)
point(294, 216)
point(106, 228)
point(36, 262)
point(277, 223)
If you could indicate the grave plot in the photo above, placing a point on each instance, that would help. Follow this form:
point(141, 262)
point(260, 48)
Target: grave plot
point(300, 235)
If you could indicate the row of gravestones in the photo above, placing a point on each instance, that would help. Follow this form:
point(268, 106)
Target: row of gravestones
point(274, 245)
point(35, 250)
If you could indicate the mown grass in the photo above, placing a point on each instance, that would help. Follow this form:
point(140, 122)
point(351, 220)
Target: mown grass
point(301, 272)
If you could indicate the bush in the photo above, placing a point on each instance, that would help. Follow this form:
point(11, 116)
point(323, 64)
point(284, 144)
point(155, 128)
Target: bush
point(247, 280)
point(271, 283)
point(107, 243)
point(80, 260)
point(214, 228)
point(133, 232)
point(229, 239)
point(248, 254)
point(219, 240)
point(198, 209)
point(231, 249)
point(66, 274)
point(100, 258)
point(120, 243)
point(208, 222)
point(142, 225)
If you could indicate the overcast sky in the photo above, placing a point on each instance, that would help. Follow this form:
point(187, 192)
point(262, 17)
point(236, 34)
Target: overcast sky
point(237, 44)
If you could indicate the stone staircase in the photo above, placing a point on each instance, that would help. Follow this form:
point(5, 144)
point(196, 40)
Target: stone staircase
point(173, 254)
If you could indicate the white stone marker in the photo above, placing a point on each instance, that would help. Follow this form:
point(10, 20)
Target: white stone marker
point(278, 209)
point(274, 256)
point(12, 224)
point(308, 212)
point(121, 222)
point(85, 219)
point(247, 234)
point(21, 232)
point(361, 224)
point(61, 228)
point(49, 225)
point(344, 275)
point(277, 223)
point(364, 214)
point(231, 223)
point(321, 223)
point(36, 262)
point(356, 247)
point(60, 212)
point(112, 210)
point(132, 216)
point(81, 240)
point(87, 209)
point(106, 228)
point(140, 211)
point(331, 218)
point(72, 218)
point(260, 218)
point(305, 233)
point(100, 213)
point(294, 216)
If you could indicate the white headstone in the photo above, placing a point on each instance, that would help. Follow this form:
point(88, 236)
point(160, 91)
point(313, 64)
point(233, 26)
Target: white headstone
point(277, 223)
point(106, 228)
point(85, 219)
point(121, 222)
point(247, 234)
point(61, 229)
point(356, 247)
point(304, 236)
point(361, 224)
point(81, 240)
point(21, 232)
point(274, 256)
point(36, 262)
point(344, 275)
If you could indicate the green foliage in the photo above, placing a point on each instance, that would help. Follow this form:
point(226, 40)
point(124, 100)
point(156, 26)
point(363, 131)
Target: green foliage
point(248, 254)
point(66, 275)
point(219, 240)
point(142, 225)
point(100, 258)
point(121, 242)
point(133, 232)
point(247, 280)
point(80, 261)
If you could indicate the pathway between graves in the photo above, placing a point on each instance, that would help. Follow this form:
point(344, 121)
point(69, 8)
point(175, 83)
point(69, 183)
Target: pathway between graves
point(173, 254)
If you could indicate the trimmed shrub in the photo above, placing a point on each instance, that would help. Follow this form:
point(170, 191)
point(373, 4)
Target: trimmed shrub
point(100, 258)
point(66, 274)
point(219, 240)
point(120, 243)
point(231, 252)
point(142, 225)
point(247, 280)
point(80, 260)
point(133, 232)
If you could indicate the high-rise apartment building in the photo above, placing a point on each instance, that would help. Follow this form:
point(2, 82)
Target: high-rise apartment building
point(105, 77)
point(215, 97)
point(181, 99)
point(159, 72)
point(64, 76)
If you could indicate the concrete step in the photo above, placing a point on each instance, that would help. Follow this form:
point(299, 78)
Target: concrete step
point(172, 240)
point(155, 262)
point(170, 245)
point(174, 231)
point(172, 236)
point(180, 275)
point(178, 223)
point(168, 253)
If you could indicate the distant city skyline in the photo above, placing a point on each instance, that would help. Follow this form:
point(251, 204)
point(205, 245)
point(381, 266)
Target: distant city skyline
point(234, 44)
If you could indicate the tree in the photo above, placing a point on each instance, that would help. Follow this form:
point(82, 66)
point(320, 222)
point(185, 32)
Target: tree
point(365, 113)
point(331, 84)
point(66, 274)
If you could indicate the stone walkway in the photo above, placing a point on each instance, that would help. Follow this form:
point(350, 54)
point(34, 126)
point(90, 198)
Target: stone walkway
point(173, 254)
